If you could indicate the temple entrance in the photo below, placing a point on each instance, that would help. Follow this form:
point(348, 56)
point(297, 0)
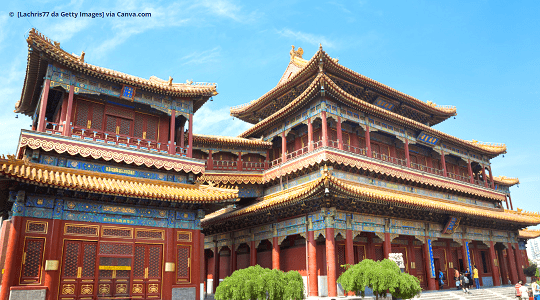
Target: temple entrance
point(116, 271)
point(78, 272)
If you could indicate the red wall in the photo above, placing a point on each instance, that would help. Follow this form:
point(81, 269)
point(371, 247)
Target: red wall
point(242, 261)
point(293, 259)
point(264, 259)
point(321, 259)
point(224, 266)
point(210, 268)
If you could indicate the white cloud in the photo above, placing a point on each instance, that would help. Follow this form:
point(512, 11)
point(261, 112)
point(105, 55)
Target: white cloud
point(208, 120)
point(227, 9)
point(197, 58)
point(307, 38)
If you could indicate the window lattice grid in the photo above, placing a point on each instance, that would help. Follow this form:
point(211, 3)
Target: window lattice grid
point(379, 254)
point(138, 126)
point(89, 260)
point(138, 268)
point(110, 126)
point(70, 264)
point(36, 227)
point(149, 234)
point(151, 128)
point(125, 126)
point(81, 230)
point(117, 232)
point(340, 259)
point(33, 256)
point(115, 248)
point(154, 261)
point(183, 262)
point(419, 260)
point(82, 113)
point(97, 116)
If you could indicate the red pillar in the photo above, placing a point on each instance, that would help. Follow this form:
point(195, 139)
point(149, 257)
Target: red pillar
point(469, 169)
point(275, 253)
point(519, 263)
point(331, 262)
point(339, 133)
point(484, 176)
point(168, 277)
point(283, 147)
point(427, 264)
point(196, 273)
point(510, 199)
point(182, 141)
point(407, 155)
point(443, 162)
point(267, 159)
point(190, 136)
point(43, 106)
point(239, 166)
point(310, 134)
point(349, 248)
point(215, 276)
point(202, 267)
point(63, 112)
point(172, 146)
point(324, 129)
point(494, 268)
point(368, 142)
point(512, 264)
point(491, 179)
point(502, 265)
point(387, 246)
point(312, 265)
point(51, 253)
point(233, 259)
point(69, 112)
point(210, 164)
point(10, 276)
point(252, 253)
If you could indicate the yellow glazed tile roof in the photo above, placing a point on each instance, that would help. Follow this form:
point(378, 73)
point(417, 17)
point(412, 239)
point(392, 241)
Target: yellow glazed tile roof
point(330, 86)
point(368, 193)
point(503, 180)
point(231, 178)
point(529, 233)
point(53, 49)
point(202, 139)
point(96, 182)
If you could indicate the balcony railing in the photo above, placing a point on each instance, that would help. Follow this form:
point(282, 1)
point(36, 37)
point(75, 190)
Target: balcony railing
point(458, 177)
point(253, 166)
point(225, 165)
point(54, 128)
point(296, 153)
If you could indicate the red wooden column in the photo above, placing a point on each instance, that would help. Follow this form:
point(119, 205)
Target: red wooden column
point(69, 112)
point(349, 248)
point(51, 253)
point(324, 129)
point(63, 112)
point(512, 264)
point(387, 246)
point(210, 164)
point(310, 134)
point(196, 270)
point(267, 159)
point(484, 176)
point(252, 253)
point(190, 136)
point(510, 199)
point(443, 162)
point(491, 179)
point(427, 265)
point(202, 267)
point(10, 276)
point(494, 268)
point(368, 141)
point(215, 276)
point(172, 148)
point(520, 263)
point(312, 265)
point(239, 164)
point(275, 253)
point(283, 147)
point(469, 169)
point(43, 106)
point(168, 277)
point(502, 266)
point(331, 262)
point(407, 155)
point(233, 259)
point(339, 133)
point(182, 141)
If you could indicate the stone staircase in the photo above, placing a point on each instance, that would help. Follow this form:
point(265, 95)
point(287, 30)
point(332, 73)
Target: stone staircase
point(496, 293)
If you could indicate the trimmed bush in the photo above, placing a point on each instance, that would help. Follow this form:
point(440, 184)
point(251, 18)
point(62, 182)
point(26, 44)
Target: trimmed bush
point(381, 277)
point(255, 283)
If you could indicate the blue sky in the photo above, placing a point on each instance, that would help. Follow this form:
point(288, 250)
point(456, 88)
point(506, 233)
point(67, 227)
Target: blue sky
point(480, 56)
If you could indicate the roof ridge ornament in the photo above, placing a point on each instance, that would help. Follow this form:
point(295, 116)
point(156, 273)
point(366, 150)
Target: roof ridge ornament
point(296, 53)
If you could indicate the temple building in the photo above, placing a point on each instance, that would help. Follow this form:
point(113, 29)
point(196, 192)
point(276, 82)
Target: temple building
point(111, 195)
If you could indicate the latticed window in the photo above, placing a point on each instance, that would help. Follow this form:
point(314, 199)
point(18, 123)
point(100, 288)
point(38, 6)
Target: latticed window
point(89, 115)
point(379, 254)
point(32, 260)
point(146, 126)
point(184, 263)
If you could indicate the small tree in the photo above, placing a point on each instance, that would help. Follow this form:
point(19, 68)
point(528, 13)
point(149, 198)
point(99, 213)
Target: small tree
point(254, 283)
point(530, 270)
point(381, 277)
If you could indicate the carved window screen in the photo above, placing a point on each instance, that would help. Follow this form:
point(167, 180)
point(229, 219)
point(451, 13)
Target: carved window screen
point(146, 127)
point(183, 257)
point(32, 260)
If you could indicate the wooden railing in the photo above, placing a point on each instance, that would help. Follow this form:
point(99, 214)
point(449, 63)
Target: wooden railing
point(253, 166)
point(54, 128)
point(225, 165)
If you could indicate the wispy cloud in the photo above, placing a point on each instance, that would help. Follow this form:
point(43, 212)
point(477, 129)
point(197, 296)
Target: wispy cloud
point(227, 9)
point(307, 38)
point(197, 58)
point(217, 121)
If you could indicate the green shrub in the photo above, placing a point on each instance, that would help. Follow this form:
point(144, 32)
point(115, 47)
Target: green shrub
point(380, 276)
point(530, 270)
point(255, 282)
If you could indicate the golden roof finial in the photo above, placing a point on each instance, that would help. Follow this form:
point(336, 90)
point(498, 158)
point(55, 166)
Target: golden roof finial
point(296, 53)
point(81, 58)
point(170, 80)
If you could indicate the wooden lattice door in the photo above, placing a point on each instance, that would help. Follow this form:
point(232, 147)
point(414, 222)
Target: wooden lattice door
point(115, 263)
point(147, 271)
point(420, 266)
point(340, 259)
point(77, 280)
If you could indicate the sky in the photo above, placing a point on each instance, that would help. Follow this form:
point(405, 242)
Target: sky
point(480, 56)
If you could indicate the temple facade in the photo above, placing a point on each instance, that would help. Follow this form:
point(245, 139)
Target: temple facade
point(111, 195)
point(353, 169)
